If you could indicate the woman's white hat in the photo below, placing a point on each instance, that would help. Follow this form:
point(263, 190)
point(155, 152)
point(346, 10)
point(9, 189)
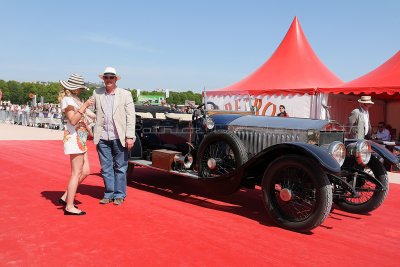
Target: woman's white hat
point(75, 81)
point(110, 71)
point(365, 99)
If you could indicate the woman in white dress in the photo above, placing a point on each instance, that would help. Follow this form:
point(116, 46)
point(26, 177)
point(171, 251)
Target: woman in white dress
point(76, 132)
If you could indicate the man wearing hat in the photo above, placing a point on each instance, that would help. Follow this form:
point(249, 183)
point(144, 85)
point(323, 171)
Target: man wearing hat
point(114, 134)
point(359, 119)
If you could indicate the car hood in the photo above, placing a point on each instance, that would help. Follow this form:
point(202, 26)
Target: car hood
point(274, 122)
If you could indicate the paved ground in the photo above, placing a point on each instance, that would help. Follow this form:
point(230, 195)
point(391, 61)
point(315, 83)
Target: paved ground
point(17, 132)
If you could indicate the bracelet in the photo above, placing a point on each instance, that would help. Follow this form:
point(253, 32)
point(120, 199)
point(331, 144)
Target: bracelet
point(80, 112)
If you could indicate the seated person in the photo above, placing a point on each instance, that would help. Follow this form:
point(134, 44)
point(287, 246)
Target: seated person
point(396, 151)
point(382, 133)
point(282, 112)
point(173, 109)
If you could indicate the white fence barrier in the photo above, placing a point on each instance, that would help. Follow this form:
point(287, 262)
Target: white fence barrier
point(41, 119)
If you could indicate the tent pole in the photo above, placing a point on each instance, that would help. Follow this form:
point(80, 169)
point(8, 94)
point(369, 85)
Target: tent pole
point(312, 108)
point(205, 99)
point(385, 111)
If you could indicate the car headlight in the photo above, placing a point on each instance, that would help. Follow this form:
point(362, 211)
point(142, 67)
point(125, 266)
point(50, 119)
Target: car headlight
point(361, 150)
point(338, 151)
point(209, 123)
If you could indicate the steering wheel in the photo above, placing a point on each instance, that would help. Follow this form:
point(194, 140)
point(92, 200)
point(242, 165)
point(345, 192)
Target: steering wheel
point(200, 111)
point(200, 106)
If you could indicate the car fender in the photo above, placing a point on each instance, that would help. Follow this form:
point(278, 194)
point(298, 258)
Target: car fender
point(231, 182)
point(321, 156)
point(384, 153)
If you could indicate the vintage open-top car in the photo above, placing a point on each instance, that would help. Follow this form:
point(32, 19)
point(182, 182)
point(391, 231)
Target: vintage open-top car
point(302, 165)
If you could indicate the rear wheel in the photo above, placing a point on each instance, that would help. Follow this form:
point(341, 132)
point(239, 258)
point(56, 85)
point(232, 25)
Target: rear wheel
point(297, 194)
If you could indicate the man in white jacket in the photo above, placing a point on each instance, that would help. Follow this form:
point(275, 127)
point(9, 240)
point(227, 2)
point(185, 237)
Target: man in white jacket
point(114, 134)
point(360, 126)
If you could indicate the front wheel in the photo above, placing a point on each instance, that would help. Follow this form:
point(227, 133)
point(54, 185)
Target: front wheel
point(220, 152)
point(297, 194)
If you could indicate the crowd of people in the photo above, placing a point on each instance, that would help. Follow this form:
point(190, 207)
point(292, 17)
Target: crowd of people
point(35, 116)
point(173, 108)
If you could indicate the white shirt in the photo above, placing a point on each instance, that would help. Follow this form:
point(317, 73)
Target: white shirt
point(366, 119)
point(383, 135)
point(109, 128)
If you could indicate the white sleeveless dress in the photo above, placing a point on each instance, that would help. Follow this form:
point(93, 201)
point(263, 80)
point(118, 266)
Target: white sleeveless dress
point(75, 137)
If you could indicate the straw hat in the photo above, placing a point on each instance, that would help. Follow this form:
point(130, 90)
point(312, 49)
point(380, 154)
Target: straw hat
point(365, 99)
point(75, 81)
point(111, 72)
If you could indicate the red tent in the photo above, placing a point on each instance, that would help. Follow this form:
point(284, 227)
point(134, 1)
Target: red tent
point(294, 68)
point(382, 83)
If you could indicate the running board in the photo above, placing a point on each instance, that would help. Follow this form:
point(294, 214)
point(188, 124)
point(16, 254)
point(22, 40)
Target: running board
point(148, 164)
point(222, 185)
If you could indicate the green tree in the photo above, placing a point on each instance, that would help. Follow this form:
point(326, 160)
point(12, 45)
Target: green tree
point(5, 90)
point(15, 94)
point(85, 94)
point(180, 97)
point(18, 93)
point(134, 95)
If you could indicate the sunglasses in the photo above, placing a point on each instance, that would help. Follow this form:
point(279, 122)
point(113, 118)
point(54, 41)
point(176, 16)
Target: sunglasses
point(108, 77)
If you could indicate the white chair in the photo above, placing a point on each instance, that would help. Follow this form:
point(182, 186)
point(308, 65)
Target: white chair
point(160, 116)
point(145, 115)
point(179, 116)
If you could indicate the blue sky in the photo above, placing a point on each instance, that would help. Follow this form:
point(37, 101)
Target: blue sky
point(184, 44)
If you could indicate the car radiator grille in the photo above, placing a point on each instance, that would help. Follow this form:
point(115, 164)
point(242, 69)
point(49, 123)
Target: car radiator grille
point(329, 137)
point(256, 141)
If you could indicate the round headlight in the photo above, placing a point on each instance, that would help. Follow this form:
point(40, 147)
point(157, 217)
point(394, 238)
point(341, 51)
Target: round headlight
point(364, 151)
point(210, 123)
point(361, 150)
point(338, 151)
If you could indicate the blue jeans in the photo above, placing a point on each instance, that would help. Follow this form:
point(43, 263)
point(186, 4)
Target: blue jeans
point(114, 164)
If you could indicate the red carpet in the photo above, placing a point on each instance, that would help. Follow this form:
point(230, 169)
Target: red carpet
point(164, 221)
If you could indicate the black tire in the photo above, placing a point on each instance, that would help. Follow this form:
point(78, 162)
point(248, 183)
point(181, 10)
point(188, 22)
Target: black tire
point(225, 148)
point(306, 188)
point(368, 201)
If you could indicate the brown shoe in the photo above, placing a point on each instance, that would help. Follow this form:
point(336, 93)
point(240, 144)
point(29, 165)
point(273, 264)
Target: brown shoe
point(118, 201)
point(105, 201)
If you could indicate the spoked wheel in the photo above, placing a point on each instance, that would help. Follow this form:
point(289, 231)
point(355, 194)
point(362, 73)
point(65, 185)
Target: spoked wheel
point(220, 153)
point(371, 196)
point(297, 194)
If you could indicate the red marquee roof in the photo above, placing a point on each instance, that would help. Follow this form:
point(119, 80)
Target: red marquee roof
point(384, 81)
point(294, 68)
